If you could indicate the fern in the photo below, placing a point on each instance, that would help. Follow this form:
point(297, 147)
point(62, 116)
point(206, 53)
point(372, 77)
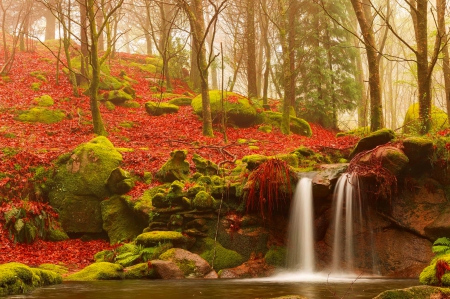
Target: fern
point(441, 246)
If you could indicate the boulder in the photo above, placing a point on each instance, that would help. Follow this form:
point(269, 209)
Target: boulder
point(98, 271)
point(167, 270)
point(140, 271)
point(80, 214)
point(117, 97)
point(192, 265)
point(297, 125)
point(412, 123)
point(160, 108)
point(326, 177)
point(239, 111)
point(373, 140)
point(155, 238)
point(176, 168)
point(120, 181)
point(256, 267)
point(203, 201)
point(204, 166)
point(119, 221)
point(391, 158)
point(418, 149)
point(223, 257)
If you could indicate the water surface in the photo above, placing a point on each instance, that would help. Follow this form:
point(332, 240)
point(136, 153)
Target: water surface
point(221, 288)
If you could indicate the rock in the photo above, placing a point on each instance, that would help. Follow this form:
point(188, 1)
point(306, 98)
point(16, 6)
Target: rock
point(297, 125)
point(140, 271)
point(239, 110)
point(181, 101)
point(392, 159)
point(160, 108)
point(167, 270)
point(203, 201)
point(325, 179)
point(412, 123)
point(428, 275)
point(421, 209)
point(41, 115)
point(418, 292)
point(80, 214)
point(192, 265)
point(155, 238)
point(418, 149)
point(117, 97)
point(98, 271)
point(17, 278)
point(119, 181)
point(252, 269)
point(56, 235)
point(175, 222)
point(373, 140)
point(204, 166)
point(119, 221)
point(224, 258)
point(194, 233)
point(176, 168)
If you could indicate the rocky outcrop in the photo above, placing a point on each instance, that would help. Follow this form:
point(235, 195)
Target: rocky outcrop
point(191, 264)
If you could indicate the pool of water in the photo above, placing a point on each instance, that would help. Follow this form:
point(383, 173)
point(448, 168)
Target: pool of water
point(315, 288)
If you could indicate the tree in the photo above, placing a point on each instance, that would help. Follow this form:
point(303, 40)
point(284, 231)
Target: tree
point(199, 31)
point(250, 38)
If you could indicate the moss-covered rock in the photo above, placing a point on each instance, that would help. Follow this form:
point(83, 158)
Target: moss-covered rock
point(44, 101)
point(139, 271)
point(98, 271)
point(41, 115)
point(239, 111)
point(192, 265)
point(297, 125)
point(392, 158)
point(157, 109)
point(119, 221)
point(204, 166)
point(418, 149)
point(56, 235)
point(54, 268)
point(224, 258)
point(16, 278)
point(373, 140)
point(203, 201)
point(79, 184)
point(176, 168)
point(412, 123)
point(120, 181)
point(428, 275)
point(418, 292)
point(117, 97)
point(181, 101)
point(276, 256)
point(155, 238)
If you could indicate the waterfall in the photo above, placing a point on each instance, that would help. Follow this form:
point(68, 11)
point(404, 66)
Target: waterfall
point(348, 223)
point(300, 255)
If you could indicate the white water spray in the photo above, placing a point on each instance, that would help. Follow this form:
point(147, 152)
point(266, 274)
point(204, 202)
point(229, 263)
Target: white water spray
point(300, 255)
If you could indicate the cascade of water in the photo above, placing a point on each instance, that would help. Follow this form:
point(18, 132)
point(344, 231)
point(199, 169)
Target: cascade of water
point(300, 255)
point(345, 197)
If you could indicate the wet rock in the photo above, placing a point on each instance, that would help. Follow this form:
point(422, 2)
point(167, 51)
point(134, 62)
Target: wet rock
point(324, 180)
point(167, 270)
point(373, 140)
point(253, 268)
point(191, 264)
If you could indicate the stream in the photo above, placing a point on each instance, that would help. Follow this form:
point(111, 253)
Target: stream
point(221, 288)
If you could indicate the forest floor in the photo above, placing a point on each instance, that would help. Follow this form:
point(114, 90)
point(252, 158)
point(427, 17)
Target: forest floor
point(24, 145)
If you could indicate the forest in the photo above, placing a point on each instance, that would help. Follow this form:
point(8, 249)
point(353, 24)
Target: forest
point(133, 129)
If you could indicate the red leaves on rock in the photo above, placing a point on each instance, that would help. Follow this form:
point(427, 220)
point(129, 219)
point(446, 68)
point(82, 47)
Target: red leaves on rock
point(441, 267)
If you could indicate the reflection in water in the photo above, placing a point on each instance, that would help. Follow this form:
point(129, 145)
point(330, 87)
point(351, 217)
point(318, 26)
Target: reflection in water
point(236, 289)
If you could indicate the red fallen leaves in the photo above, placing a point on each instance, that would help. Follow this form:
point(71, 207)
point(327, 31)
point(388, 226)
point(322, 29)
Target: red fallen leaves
point(75, 254)
point(441, 267)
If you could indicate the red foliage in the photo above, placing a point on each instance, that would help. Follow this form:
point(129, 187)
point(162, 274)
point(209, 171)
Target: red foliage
point(151, 138)
point(441, 267)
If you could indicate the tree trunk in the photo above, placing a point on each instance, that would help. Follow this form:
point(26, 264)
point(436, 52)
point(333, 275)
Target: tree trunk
point(441, 5)
point(376, 108)
point(84, 43)
point(292, 17)
point(99, 128)
point(50, 25)
point(265, 41)
point(252, 89)
point(286, 119)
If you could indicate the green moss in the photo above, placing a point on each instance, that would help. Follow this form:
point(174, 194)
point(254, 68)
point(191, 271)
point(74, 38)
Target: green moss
point(157, 109)
point(155, 238)
point(412, 123)
point(109, 83)
point(418, 292)
point(56, 235)
point(156, 61)
point(204, 166)
point(41, 115)
point(276, 256)
point(16, 278)
point(35, 86)
point(239, 110)
point(39, 75)
point(98, 271)
point(373, 140)
point(119, 221)
point(176, 168)
point(127, 124)
point(139, 271)
point(359, 132)
point(131, 104)
point(203, 201)
point(149, 68)
point(117, 97)
point(54, 268)
point(265, 128)
point(44, 101)
point(110, 106)
point(186, 266)
point(224, 258)
point(428, 275)
point(297, 125)
point(181, 101)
